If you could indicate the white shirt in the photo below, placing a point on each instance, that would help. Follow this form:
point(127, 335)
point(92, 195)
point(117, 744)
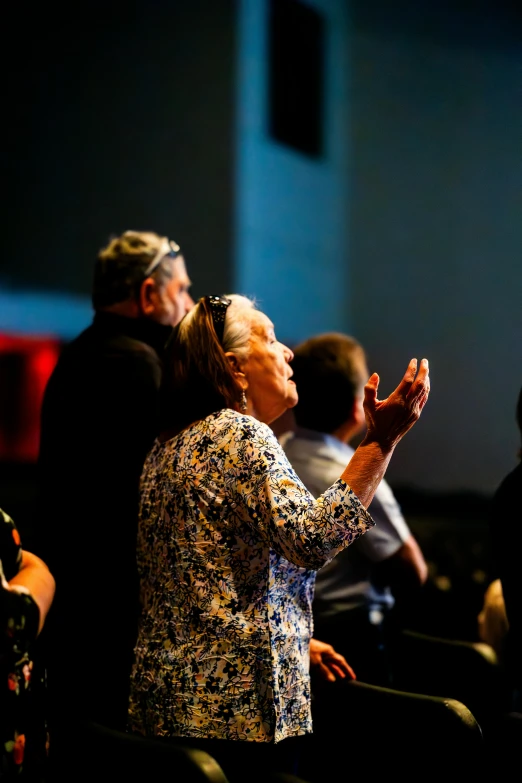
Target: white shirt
point(346, 582)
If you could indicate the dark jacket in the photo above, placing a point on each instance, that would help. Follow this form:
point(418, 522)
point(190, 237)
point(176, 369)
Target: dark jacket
point(99, 419)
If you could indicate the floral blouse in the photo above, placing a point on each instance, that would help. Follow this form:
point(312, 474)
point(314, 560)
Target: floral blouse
point(23, 735)
point(228, 544)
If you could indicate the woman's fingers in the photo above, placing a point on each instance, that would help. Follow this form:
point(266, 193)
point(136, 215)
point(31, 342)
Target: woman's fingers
point(371, 388)
point(423, 376)
point(406, 384)
point(388, 420)
point(411, 387)
point(421, 387)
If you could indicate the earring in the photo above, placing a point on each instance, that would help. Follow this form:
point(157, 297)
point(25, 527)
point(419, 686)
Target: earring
point(243, 402)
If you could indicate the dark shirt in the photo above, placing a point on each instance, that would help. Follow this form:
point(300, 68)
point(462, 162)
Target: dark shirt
point(99, 419)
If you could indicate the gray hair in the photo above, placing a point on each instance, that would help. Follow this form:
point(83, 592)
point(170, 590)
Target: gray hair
point(121, 266)
point(238, 325)
point(197, 374)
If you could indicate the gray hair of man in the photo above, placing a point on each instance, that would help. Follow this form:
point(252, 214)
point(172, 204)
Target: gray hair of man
point(129, 259)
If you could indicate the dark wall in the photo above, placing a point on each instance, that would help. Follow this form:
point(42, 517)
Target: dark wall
point(480, 23)
point(119, 116)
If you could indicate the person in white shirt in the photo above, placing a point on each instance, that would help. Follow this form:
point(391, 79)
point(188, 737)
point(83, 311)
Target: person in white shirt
point(354, 606)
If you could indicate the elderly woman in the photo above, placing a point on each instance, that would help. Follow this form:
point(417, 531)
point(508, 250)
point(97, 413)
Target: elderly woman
point(230, 539)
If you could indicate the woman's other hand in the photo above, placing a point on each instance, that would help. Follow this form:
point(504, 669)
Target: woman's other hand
point(389, 420)
point(329, 664)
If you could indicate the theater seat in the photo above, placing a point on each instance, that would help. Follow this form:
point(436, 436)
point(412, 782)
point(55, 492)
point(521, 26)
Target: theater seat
point(459, 669)
point(363, 731)
point(118, 756)
point(102, 754)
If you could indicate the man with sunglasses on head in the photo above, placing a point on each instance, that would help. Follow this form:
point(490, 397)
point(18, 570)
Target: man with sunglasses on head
point(99, 419)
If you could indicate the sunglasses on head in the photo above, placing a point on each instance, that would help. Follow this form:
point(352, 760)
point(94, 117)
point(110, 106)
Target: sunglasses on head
point(172, 252)
point(218, 309)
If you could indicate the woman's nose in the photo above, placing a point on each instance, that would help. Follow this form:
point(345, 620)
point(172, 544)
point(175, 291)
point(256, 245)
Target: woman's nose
point(289, 354)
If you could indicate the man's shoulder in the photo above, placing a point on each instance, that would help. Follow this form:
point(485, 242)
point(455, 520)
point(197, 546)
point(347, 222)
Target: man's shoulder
point(310, 444)
point(317, 458)
point(89, 369)
point(90, 350)
point(130, 349)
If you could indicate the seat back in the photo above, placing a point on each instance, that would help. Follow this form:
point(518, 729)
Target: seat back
point(368, 730)
point(463, 670)
point(115, 755)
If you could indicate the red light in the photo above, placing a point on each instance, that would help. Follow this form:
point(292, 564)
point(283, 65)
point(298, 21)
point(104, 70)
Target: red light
point(26, 363)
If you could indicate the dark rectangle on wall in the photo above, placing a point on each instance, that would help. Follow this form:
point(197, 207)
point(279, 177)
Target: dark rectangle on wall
point(296, 76)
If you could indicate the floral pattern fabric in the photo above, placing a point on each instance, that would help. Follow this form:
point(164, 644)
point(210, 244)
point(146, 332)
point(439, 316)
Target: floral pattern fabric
point(23, 736)
point(228, 545)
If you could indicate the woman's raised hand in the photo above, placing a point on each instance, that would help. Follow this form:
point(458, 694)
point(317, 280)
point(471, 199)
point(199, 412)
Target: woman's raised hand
point(389, 420)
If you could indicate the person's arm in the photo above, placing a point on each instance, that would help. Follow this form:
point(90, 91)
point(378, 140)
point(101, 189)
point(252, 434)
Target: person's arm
point(404, 571)
point(35, 579)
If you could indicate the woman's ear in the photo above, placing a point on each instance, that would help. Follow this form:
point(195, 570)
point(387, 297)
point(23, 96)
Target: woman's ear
point(235, 366)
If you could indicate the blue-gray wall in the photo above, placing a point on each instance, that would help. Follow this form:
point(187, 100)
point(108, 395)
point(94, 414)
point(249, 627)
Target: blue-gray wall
point(436, 226)
point(291, 242)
